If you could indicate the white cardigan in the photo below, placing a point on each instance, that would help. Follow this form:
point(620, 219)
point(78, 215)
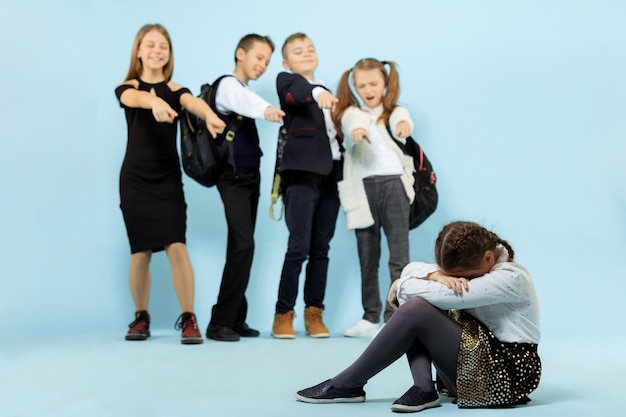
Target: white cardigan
point(351, 189)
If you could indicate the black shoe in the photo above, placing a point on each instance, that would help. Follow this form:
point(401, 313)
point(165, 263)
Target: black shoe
point(415, 400)
point(245, 331)
point(325, 393)
point(221, 333)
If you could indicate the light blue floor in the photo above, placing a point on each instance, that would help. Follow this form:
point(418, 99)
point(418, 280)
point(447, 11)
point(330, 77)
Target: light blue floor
point(107, 376)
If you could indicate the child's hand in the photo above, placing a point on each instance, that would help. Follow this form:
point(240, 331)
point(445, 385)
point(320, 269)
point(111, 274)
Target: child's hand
point(403, 130)
point(392, 296)
point(359, 134)
point(214, 123)
point(455, 284)
point(161, 111)
point(272, 114)
point(327, 101)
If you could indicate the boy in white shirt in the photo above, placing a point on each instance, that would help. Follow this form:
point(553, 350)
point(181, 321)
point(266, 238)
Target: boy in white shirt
point(239, 184)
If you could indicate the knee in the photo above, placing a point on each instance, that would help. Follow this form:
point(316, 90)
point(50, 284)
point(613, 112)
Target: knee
point(416, 306)
point(245, 248)
point(140, 260)
point(176, 252)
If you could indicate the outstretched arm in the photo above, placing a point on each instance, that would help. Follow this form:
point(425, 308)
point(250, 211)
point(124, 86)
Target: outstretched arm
point(400, 122)
point(295, 90)
point(132, 97)
point(325, 100)
point(200, 108)
point(354, 124)
point(233, 96)
point(272, 114)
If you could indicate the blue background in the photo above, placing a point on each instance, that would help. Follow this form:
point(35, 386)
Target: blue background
point(519, 105)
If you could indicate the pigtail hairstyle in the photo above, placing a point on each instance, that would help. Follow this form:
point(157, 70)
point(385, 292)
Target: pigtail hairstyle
point(391, 96)
point(346, 98)
point(136, 66)
point(463, 244)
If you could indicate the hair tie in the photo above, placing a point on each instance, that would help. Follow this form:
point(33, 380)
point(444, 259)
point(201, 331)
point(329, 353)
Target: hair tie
point(384, 62)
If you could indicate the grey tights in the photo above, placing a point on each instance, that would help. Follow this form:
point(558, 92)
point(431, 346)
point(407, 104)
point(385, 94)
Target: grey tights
point(426, 334)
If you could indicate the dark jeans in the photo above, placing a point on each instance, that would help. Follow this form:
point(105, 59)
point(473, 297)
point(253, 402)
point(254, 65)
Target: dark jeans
point(311, 210)
point(240, 195)
point(389, 206)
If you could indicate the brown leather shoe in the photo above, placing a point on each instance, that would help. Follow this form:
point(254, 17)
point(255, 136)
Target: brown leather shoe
point(188, 323)
point(283, 326)
point(313, 322)
point(140, 328)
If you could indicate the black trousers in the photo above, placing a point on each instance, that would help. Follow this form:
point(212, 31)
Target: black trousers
point(311, 210)
point(240, 195)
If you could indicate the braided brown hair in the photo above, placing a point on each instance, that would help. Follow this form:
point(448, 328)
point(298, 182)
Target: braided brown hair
point(462, 245)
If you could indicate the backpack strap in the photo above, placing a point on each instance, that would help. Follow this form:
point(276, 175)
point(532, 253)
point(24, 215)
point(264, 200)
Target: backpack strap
point(235, 122)
point(401, 145)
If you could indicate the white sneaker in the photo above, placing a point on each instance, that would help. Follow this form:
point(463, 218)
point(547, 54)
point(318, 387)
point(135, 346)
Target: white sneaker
point(362, 328)
point(378, 331)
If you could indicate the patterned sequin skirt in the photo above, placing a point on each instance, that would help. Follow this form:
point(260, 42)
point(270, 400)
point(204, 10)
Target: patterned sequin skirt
point(491, 373)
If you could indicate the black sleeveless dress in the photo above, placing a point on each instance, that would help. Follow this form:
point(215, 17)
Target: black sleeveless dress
point(151, 188)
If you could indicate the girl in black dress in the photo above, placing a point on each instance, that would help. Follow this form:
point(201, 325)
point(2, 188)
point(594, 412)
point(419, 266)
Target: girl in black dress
point(151, 189)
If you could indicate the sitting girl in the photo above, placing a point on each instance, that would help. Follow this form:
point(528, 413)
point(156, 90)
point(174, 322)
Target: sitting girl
point(484, 348)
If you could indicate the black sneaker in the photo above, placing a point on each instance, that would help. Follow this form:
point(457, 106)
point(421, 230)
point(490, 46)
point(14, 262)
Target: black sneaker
point(245, 331)
point(221, 333)
point(415, 400)
point(325, 393)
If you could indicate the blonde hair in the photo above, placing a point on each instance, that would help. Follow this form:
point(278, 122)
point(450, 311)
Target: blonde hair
point(136, 66)
point(291, 38)
point(347, 98)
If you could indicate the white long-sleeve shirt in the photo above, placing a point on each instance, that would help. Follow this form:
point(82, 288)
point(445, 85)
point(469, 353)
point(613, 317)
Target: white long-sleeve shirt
point(328, 121)
point(234, 96)
point(504, 299)
point(359, 154)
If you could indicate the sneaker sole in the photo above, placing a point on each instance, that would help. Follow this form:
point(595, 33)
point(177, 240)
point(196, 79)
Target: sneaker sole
point(283, 336)
point(402, 408)
point(223, 339)
point(369, 331)
point(367, 334)
point(137, 337)
point(330, 400)
point(318, 335)
point(192, 341)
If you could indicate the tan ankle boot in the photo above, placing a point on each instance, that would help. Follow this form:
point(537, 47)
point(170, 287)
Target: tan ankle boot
point(283, 326)
point(313, 322)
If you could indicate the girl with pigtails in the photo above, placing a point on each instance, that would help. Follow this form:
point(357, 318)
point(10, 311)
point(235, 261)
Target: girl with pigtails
point(377, 186)
point(474, 316)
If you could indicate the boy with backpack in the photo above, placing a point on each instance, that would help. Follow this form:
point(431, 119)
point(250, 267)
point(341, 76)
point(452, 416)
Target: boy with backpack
point(239, 182)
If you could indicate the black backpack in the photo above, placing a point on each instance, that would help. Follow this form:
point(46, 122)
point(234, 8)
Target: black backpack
point(425, 185)
point(202, 159)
